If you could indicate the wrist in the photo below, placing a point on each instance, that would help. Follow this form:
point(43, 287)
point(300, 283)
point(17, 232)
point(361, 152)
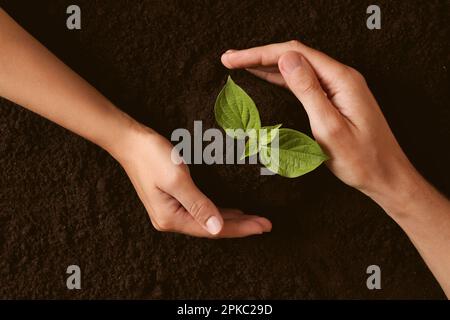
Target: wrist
point(125, 143)
point(400, 191)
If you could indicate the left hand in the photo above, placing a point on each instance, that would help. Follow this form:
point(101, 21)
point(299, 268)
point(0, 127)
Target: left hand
point(173, 201)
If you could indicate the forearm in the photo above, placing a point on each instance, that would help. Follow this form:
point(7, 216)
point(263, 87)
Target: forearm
point(424, 214)
point(33, 77)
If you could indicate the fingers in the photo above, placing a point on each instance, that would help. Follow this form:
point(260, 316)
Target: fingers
point(303, 82)
point(326, 67)
point(242, 227)
point(198, 205)
point(258, 56)
point(263, 222)
point(168, 215)
point(181, 207)
point(269, 69)
point(235, 213)
point(236, 225)
point(228, 213)
point(275, 78)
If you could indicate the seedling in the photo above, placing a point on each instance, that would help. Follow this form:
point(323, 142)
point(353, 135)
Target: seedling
point(238, 115)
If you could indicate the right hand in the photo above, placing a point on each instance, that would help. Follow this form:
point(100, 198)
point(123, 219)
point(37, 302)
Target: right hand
point(344, 116)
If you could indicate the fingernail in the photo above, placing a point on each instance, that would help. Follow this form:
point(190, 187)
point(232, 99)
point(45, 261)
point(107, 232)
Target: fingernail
point(213, 225)
point(291, 62)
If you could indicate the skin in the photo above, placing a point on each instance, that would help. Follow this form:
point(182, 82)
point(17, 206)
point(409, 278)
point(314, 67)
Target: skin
point(34, 78)
point(348, 123)
point(345, 119)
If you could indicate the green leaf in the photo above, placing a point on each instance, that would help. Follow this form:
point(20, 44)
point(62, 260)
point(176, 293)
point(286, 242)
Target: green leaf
point(234, 110)
point(297, 154)
point(267, 134)
point(251, 148)
point(264, 136)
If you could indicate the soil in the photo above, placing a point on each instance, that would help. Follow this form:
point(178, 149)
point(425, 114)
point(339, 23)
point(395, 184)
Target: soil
point(64, 201)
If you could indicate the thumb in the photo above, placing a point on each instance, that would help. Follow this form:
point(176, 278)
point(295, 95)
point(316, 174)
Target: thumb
point(199, 206)
point(302, 81)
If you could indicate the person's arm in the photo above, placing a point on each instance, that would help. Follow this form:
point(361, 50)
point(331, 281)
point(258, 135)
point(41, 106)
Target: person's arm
point(424, 214)
point(348, 123)
point(33, 77)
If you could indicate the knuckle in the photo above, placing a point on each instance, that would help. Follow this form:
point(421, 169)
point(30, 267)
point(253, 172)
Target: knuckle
point(294, 44)
point(355, 75)
point(198, 210)
point(157, 227)
point(175, 178)
point(163, 225)
point(342, 72)
point(307, 85)
point(333, 129)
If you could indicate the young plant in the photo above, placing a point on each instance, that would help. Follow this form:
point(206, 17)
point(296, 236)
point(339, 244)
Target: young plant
point(237, 114)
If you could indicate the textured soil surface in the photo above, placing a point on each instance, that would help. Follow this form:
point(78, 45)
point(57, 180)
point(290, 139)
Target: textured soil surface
point(64, 201)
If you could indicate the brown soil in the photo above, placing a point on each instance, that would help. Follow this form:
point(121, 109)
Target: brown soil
point(65, 201)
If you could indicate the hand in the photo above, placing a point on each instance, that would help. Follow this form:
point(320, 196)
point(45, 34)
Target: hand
point(171, 198)
point(344, 116)
point(33, 77)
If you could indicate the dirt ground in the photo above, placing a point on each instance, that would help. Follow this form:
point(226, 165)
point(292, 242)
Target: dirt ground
point(64, 201)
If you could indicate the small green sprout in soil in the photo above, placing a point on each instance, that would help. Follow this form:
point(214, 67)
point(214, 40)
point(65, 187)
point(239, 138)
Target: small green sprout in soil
point(237, 114)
